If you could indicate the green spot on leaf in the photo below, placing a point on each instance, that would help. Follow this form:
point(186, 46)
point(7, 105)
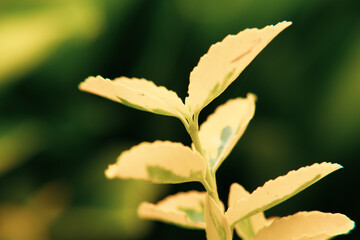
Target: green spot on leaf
point(246, 227)
point(129, 104)
point(218, 226)
point(228, 76)
point(161, 112)
point(158, 174)
point(193, 215)
point(225, 136)
point(138, 107)
point(226, 133)
point(219, 87)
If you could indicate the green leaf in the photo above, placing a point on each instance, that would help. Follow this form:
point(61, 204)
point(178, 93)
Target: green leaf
point(159, 162)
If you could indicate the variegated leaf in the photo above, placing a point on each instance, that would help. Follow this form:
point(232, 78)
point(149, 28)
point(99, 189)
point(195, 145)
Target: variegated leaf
point(248, 227)
point(307, 225)
point(159, 162)
point(276, 191)
point(224, 62)
point(222, 130)
point(137, 93)
point(185, 209)
point(217, 227)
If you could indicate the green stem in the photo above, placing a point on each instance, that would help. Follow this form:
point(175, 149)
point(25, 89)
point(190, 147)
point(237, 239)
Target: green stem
point(210, 180)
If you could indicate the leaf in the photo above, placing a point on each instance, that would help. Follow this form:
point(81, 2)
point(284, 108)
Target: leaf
point(276, 191)
point(217, 227)
point(137, 93)
point(159, 162)
point(224, 62)
point(307, 225)
point(222, 130)
point(248, 227)
point(185, 209)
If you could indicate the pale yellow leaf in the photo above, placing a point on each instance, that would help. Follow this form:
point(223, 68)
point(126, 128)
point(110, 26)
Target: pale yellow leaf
point(140, 94)
point(224, 62)
point(306, 226)
point(159, 162)
point(248, 227)
point(276, 191)
point(222, 130)
point(185, 209)
point(217, 227)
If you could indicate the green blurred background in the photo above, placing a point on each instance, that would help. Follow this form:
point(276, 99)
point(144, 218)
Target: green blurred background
point(56, 142)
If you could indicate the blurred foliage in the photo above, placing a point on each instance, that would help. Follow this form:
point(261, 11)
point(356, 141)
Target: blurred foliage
point(29, 32)
point(307, 81)
point(31, 220)
point(15, 147)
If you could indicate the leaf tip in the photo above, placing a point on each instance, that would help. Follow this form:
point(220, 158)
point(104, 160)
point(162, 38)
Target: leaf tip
point(251, 96)
point(332, 166)
point(83, 86)
point(110, 172)
point(142, 210)
point(284, 24)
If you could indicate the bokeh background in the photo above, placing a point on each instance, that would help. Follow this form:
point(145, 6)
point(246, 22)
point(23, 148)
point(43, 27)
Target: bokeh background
point(56, 142)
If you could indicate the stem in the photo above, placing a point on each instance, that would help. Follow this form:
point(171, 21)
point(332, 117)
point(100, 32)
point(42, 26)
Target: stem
point(213, 188)
point(210, 180)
